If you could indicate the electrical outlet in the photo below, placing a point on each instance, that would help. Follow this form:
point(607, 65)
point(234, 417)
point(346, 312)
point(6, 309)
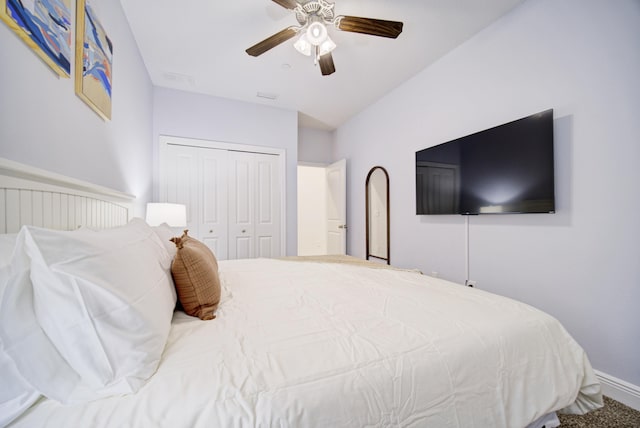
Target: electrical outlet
point(470, 283)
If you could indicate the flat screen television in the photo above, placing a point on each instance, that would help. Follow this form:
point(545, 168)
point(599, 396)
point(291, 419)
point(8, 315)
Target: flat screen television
point(507, 169)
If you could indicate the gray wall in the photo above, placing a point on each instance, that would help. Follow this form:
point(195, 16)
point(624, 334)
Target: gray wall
point(315, 146)
point(44, 124)
point(582, 264)
point(189, 115)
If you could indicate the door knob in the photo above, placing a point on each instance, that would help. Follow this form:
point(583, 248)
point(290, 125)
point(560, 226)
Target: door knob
point(243, 231)
point(210, 230)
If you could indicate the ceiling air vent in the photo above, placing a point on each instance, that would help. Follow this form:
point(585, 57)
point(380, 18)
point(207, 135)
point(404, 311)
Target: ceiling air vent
point(267, 95)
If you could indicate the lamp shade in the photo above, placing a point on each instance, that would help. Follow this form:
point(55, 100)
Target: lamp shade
point(175, 215)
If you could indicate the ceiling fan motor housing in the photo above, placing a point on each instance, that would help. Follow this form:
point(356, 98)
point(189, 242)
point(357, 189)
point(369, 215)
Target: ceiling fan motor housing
point(322, 10)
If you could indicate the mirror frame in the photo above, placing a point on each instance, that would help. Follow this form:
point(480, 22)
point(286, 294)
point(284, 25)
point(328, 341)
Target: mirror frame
point(367, 215)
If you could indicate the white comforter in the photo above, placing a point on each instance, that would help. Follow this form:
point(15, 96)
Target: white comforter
point(300, 344)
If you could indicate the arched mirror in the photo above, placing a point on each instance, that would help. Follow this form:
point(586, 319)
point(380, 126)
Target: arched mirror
point(377, 209)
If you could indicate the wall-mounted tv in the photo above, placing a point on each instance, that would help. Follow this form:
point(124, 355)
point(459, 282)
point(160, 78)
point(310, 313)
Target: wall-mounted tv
point(507, 169)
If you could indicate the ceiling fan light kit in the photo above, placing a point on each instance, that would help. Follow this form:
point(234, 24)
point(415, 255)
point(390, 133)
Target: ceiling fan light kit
point(313, 17)
point(316, 33)
point(302, 45)
point(327, 46)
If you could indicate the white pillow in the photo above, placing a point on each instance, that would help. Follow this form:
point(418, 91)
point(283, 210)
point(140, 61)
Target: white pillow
point(165, 233)
point(16, 395)
point(92, 316)
point(7, 244)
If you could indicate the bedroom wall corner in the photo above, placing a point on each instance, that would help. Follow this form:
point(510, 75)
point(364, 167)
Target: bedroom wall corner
point(315, 146)
point(624, 392)
point(580, 265)
point(44, 124)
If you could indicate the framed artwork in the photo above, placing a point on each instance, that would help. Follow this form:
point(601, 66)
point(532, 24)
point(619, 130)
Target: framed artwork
point(45, 26)
point(94, 57)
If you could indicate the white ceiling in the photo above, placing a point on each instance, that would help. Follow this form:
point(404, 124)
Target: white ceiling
point(199, 46)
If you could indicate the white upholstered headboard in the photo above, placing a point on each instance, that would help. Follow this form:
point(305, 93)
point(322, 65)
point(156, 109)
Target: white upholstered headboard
point(31, 196)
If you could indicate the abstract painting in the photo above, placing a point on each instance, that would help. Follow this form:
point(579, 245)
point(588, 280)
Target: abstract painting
point(94, 58)
point(44, 25)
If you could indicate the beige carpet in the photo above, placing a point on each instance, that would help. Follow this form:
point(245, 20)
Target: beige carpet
point(612, 415)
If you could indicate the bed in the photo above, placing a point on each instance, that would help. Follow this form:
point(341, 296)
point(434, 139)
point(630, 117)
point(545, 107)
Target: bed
point(295, 342)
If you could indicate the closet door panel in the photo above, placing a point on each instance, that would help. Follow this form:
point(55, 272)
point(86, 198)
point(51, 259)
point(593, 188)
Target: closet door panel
point(243, 247)
point(265, 247)
point(219, 250)
point(213, 198)
point(183, 175)
point(267, 196)
point(241, 205)
point(242, 191)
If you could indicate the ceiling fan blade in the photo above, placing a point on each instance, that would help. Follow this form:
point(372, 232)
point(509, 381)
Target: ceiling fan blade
point(374, 27)
point(289, 4)
point(272, 42)
point(326, 64)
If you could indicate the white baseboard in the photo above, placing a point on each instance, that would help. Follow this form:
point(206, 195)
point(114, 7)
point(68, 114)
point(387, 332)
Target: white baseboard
point(619, 390)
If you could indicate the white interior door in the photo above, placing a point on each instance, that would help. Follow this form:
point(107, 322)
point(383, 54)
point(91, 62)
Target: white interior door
point(254, 206)
point(241, 205)
point(337, 207)
point(312, 213)
point(182, 177)
point(267, 216)
point(213, 201)
point(235, 194)
point(197, 178)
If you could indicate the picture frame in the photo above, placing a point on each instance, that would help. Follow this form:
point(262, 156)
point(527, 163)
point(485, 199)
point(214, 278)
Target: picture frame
point(94, 59)
point(45, 26)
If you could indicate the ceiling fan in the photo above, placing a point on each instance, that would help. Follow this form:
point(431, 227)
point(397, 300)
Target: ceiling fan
point(313, 17)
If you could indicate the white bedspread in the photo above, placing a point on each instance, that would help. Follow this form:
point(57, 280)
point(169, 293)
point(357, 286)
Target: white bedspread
point(299, 344)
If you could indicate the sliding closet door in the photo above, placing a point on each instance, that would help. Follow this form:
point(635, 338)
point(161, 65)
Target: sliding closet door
point(254, 205)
